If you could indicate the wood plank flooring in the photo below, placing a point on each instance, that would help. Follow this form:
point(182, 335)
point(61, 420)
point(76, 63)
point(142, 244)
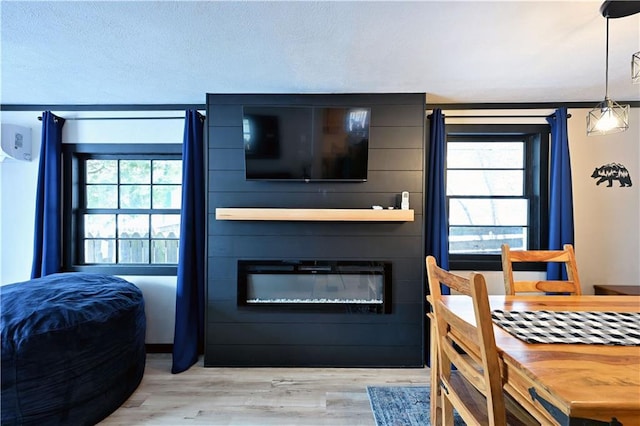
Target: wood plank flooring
point(257, 396)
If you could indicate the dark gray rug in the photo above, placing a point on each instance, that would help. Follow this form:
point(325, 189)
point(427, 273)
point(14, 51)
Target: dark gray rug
point(402, 405)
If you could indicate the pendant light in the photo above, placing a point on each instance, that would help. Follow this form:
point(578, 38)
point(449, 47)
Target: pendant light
point(608, 116)
point(635, 68)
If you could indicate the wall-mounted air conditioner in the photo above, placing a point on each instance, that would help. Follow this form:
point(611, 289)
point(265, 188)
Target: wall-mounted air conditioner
point(15, 142)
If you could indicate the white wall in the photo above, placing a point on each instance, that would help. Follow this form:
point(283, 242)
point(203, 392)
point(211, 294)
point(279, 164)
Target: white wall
point(18, 181)
point(607, 220)
point(160, 306)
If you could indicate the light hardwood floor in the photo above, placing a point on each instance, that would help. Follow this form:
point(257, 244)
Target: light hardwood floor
point(257, 396)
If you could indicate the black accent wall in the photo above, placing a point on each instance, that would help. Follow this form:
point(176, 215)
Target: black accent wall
point(248, 336)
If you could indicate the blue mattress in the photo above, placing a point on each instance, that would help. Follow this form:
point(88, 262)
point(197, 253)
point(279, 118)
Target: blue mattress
point(72, 348)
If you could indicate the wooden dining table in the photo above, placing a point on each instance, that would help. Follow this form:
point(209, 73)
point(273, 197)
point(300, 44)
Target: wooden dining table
point(567, 384)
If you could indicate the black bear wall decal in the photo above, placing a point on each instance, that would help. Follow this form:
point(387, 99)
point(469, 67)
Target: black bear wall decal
point(610, 172)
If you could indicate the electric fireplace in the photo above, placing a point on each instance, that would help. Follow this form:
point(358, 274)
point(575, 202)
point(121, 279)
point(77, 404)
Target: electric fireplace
point(342, 286)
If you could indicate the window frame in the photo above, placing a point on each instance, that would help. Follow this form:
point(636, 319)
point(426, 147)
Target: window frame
point(536, 186)
point(73, 199)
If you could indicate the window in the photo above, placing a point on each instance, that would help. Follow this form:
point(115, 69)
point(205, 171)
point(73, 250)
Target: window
point(122, 208)
point(496, 187)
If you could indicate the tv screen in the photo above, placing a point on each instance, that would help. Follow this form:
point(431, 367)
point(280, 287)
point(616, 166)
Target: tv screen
point(303, 143)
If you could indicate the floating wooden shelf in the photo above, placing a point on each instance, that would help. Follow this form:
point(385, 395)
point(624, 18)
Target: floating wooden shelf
point(354, 215)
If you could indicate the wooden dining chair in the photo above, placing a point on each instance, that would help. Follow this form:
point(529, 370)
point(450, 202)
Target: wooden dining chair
point(566, 256)
point(467, 361)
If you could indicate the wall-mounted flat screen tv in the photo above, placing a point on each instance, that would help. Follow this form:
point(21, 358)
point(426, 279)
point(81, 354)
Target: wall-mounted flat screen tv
point(306, 143)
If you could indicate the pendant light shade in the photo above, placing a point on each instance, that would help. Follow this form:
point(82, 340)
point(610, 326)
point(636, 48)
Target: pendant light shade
point(635, 68)
point(608, 116)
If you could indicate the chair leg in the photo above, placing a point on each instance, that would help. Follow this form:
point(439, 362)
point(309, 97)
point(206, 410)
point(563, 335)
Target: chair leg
point(446, 418)
point(434, 400)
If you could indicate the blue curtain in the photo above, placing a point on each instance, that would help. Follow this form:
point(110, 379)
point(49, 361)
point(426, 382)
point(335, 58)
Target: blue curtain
point(436, 226)
point(560, 193)
point(188, 338)
point(47, 239)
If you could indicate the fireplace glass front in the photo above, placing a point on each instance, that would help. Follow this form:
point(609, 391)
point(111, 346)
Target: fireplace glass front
point(349, 286)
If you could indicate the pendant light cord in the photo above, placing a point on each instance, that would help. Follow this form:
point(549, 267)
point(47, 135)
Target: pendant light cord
point(606, 68)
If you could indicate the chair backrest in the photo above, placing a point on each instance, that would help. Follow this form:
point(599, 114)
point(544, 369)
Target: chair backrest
point(470, 348)
point(565, 256)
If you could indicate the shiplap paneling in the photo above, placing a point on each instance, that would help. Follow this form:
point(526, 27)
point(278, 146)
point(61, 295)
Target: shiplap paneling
point(274, 336)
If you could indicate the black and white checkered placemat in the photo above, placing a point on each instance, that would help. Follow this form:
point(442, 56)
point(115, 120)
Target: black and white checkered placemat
point(596, 328)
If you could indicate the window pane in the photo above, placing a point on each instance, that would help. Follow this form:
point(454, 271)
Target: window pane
point(167, 197)
point(133, 226)
point(135, 171)
point(165, 226)
point(485, 182)
point(135, 196)
point(119, 193)
point(486, 212)
point(164, 251)
point(167, 171)
point(102, 196)
point(99, 251)
point(99, 226)
point(485, 155)
point(133, 251)
point(102, 171)
point(485, 240)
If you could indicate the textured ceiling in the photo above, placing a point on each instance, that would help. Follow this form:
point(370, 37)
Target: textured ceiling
point(170, 52)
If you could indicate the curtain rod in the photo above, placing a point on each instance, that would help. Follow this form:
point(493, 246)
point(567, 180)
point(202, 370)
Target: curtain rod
point(118, 118)
point(499, 116)
point(502, 116)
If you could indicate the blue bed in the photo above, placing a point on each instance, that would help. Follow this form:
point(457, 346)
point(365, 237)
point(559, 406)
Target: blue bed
point(72, 348)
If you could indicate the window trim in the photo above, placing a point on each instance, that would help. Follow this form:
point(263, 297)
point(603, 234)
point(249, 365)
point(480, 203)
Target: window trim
point(72, 199)
point(536, 169)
